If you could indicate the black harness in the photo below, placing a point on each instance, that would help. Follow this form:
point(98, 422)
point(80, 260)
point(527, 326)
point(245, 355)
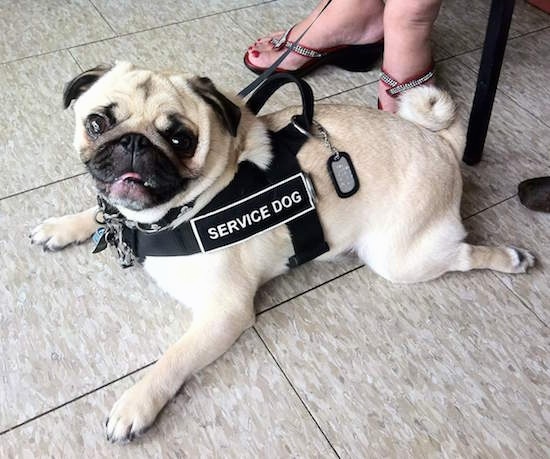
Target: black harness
point(255, 201)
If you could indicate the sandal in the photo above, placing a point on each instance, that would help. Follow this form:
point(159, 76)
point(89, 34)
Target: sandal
point(354, 58)
point(395, 87)
point(535, 194)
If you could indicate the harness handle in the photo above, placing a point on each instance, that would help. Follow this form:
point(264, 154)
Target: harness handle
point(274, 82)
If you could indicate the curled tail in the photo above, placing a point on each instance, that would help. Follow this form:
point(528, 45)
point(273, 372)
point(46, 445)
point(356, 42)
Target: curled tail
point(433, 109)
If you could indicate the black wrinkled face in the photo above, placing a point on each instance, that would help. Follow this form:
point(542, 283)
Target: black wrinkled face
point(138, 170)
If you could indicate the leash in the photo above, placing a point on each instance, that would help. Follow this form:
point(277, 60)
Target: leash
point(272, 69)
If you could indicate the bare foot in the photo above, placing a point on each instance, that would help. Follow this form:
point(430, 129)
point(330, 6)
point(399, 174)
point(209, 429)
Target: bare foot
point(385, 101)
point(340, 24)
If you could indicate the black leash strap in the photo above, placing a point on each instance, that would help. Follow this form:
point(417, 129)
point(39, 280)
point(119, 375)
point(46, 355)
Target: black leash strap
point(273, 68)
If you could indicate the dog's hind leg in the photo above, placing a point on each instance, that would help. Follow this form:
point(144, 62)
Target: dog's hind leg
point(413, 257)
point(504, 259)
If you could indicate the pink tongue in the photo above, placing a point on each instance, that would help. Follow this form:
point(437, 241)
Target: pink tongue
point(129, 175)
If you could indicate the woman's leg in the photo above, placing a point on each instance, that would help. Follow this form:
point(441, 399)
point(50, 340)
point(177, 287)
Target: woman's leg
point(407, 48)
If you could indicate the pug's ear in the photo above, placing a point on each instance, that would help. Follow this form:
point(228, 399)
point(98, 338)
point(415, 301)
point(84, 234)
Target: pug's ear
point(80, 84)
point(229, 113)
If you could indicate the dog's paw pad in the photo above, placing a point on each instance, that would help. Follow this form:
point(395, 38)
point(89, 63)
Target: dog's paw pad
point(131, 416)
point(522, 259)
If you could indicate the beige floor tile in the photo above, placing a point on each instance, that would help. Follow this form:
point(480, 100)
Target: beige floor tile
point(513, 224)
point(527, 19)
point(36, 134)
point(239, 407)
point(134, 15)
point(461, 24)
point(71, 321)
point(526, 62)
point(29, 27)
point(184, 46)
point(451, 368)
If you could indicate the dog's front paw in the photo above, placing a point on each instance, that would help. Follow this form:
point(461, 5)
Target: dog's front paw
point(59, 232)
point(133, 413)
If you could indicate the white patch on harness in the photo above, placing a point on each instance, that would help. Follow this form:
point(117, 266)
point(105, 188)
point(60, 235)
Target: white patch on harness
point(260, 212)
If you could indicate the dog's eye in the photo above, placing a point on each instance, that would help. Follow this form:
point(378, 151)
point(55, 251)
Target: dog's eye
point(96, 125)
point(181, 142)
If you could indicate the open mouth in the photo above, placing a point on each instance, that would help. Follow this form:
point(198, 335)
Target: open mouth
point(132, 190)
point(136, 191)
point(133, 178)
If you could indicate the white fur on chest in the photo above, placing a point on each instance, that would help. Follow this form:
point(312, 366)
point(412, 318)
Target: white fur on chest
point(232, 273)
point(185, 278)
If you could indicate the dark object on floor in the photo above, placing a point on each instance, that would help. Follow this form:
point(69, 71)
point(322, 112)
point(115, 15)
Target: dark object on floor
point(535, 194)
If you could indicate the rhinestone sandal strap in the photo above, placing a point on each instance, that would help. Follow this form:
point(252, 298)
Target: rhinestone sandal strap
point(278, 42)
point(297, 48)
point(395, 87)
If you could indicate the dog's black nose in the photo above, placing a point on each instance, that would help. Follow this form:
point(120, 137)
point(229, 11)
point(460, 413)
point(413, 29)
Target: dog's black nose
point(134, 142)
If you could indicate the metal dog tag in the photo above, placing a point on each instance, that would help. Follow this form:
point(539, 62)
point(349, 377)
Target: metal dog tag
point(99, 239)
point(343, 175)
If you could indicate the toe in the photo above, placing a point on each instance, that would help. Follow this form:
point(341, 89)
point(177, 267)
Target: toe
point(523, 260)
point(131, 415)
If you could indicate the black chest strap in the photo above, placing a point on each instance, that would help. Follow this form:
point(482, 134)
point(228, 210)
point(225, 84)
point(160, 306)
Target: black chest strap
point(305, 230)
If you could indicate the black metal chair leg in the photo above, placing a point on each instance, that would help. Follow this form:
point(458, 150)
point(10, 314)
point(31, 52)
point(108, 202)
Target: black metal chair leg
point(500, 18)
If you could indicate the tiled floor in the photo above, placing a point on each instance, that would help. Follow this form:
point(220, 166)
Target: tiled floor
point(340, 362)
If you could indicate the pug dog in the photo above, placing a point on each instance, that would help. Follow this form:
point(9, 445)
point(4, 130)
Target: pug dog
point(153, 141)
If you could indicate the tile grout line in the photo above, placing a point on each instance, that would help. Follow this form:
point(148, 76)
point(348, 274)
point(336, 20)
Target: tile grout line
point(525, 34)
point(19, 193)
point(499, 88)
point(103, 17)
point(489, 207)
point(309, 290)
point(75, 60)
point(480, 48)
point(295, 391)
point(505, 94)
point(127, 34)
point(524, 302)
point(347, 90)
point(514, 101)
point(68, 402)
